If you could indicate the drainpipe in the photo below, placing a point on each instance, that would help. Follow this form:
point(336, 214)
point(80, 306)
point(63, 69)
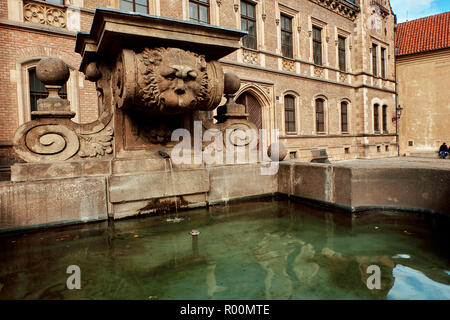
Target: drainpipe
point(396, 86)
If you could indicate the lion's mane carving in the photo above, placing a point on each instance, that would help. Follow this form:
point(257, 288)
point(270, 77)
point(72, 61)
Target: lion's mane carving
point(172, 80)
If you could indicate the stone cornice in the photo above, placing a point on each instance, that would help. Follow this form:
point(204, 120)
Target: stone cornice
point(340, 7)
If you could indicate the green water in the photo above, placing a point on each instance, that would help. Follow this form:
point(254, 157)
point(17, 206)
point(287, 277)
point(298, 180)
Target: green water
point(262, 249)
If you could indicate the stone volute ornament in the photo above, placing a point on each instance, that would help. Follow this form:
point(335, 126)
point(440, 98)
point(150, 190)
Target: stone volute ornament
point(52, 136)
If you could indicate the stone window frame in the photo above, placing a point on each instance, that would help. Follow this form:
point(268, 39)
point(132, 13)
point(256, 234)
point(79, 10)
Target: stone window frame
point(154, 6)
point(383, 60)
point(199, 4)
point(384, 118)
point(297, 102)
point(23, 89)
point(134, 5)
point(375, 65)
point(324, 38)
point(294, 15)
point(376, 116)
point(348, 52)
point(325, 114)
point(349, 108)
point(213, 14)
point(380, 45)
point(260, 20)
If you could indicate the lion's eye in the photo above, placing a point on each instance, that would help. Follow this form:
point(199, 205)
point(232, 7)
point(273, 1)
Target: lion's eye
point(192, 75)
point(170, 76)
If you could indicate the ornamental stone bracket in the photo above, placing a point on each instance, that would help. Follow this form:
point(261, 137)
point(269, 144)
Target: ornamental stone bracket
point(45, 14)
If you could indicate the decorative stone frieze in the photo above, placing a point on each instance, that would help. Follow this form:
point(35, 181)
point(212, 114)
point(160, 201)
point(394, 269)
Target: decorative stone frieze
point(319, 72)
point(340, 7)
point(342, 77)
point(288, 65)
point(44, 14)
point(250, 57)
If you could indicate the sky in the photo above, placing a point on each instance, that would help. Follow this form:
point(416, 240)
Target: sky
point(407, 10)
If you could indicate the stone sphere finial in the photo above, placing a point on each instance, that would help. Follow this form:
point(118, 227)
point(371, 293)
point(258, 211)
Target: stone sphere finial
point(277, 151)
point(232, 83)
point(52, 71)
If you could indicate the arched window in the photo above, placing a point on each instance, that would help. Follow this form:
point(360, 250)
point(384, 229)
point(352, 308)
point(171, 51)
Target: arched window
point(376, 119)
point(344, 116)
point(252, 107)
point(38, 91)
point(385, 129)
point(289, 113)
point(320, 115)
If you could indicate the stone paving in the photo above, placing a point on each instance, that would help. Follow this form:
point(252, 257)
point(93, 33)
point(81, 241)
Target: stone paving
point(409, 162)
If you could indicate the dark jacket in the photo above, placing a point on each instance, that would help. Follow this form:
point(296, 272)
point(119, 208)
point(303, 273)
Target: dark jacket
point(443, 148)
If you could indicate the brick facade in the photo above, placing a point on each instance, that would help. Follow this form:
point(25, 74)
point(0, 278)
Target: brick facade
point(265, 73)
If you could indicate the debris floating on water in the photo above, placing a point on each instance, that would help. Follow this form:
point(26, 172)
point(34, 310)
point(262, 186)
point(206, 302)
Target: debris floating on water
point(401, 256)
point(194, 233)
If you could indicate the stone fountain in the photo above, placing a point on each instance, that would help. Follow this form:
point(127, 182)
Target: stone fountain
point(153, 76)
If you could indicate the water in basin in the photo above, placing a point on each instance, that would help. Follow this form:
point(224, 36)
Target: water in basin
point(259, 249)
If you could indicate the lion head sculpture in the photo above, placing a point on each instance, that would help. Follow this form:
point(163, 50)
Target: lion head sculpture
point(172, 80)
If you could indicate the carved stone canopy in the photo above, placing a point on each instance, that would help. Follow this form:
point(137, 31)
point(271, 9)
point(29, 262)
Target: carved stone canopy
point(113, 30)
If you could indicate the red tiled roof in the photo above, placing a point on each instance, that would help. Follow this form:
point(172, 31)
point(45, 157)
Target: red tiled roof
point(425, 34)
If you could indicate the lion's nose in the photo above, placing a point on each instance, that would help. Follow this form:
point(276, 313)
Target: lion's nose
point(180, 88)
point(180, 91)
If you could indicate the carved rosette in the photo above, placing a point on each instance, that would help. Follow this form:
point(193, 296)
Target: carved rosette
point(166, 81)
point(318, 72)
point(250, 57)
point(43, 14)
point(342, 77)
point(288, 65)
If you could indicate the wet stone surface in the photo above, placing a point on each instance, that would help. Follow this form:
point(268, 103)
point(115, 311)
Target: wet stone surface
point(261, 249)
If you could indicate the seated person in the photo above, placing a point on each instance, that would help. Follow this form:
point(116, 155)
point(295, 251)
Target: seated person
point(443, 151)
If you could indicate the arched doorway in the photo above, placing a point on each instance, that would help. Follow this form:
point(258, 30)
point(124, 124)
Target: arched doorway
point(252, 107)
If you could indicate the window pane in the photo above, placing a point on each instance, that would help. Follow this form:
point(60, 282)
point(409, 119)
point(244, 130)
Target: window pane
point(204, 14)
point(61, 2)
point(251, 27)
point(126, 5)
point(193, 14)
point(204, 1)
point(243, 8)
point(141, 9)
point(250, 11)
point(251, 43)
point(141, 2)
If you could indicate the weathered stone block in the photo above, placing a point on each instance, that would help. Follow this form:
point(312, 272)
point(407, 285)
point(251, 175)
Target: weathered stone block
point(157, 185)
point(237, 181)
point(52, 201)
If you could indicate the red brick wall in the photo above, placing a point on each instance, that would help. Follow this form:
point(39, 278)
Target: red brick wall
point(17, 45)
point(3, 8)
